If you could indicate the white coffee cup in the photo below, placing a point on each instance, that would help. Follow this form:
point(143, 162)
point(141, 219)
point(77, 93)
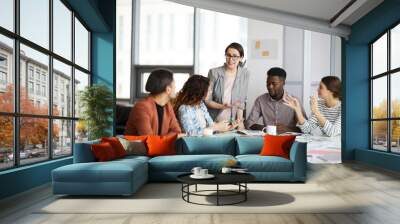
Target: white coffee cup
point(208, 131)
point(270, 129)
point(203, 172)
point(226, 170)
point(196, 170)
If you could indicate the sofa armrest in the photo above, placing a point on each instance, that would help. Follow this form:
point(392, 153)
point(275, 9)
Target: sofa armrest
point(298, 155)
point(83, 152)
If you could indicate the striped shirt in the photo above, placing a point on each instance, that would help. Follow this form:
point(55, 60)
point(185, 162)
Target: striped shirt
point(332, 126)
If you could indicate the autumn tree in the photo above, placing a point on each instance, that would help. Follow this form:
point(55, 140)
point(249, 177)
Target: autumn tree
point(380, 127)
point(33, 131)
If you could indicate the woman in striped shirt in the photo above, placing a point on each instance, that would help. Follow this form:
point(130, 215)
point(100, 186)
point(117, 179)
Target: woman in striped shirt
point(326, 112)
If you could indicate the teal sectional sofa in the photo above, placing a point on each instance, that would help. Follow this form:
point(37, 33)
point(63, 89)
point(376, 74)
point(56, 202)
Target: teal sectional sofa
point(125, 176)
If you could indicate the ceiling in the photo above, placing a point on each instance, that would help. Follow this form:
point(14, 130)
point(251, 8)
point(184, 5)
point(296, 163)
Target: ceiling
point(317, 9)
point(326, 16)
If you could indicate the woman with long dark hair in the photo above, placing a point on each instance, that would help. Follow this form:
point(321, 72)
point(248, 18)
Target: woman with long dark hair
point(192, 112)
point(326, 112)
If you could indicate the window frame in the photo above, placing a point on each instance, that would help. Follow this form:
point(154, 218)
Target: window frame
point(137, 69)
point(141, 69)
point(16, 115)
point(388, 74)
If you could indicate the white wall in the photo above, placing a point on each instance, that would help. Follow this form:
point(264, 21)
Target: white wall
point(305, 55)
point(258, 67)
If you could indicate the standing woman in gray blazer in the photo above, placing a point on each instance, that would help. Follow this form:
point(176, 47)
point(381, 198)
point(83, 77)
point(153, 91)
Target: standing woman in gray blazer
point(228, 87)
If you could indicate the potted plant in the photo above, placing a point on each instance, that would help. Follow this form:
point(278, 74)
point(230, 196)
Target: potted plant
point(96, 103)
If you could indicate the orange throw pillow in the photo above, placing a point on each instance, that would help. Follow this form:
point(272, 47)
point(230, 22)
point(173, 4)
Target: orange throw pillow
point(103, 152)
point(116, 145)
point(277, 145)
point(161, 145)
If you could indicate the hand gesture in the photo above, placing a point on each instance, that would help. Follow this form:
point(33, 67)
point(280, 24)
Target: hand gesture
point(314, 104)
point(291, 102)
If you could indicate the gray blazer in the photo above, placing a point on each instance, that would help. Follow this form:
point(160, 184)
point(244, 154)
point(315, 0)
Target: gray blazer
point(239, 89)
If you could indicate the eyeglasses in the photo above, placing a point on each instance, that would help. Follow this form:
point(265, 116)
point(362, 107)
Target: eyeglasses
point(234, 57)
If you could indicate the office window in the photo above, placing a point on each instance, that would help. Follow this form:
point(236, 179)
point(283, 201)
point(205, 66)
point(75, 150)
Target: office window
point(62, 138)
point(166, 37)
point(6, 73)
point(63, 72)
point(43, 133)
point(34, 145)
point(81, 82)
point(395, 47)
point(215, 35)
point(39, 61)
point(3, 61)
point(124, 58)
point(30, 87)
point(7, 14)
point(62, 30)
point(385, 97)
point(30, 73)
point(37, 90)
point(35, 21)
point(158, 20)
point(81, 45)
point(179, 78)
point(6, 142)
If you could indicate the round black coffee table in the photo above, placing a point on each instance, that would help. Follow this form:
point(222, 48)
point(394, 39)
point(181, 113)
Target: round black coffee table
point(238, 179)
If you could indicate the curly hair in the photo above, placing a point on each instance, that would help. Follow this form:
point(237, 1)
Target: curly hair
point(193, 92)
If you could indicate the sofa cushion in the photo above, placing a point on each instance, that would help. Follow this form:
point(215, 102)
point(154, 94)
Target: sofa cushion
point(112, 171)
point(161, 145)
point(206, 145)
point(103, 152)
point(83, 152)
point(116, 145)
point(277, 145)
point(257, 163)
point(249, 145)
point(185, 163)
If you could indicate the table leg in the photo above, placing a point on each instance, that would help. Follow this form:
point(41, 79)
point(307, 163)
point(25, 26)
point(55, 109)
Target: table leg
point(245, 193)
point(217, 194)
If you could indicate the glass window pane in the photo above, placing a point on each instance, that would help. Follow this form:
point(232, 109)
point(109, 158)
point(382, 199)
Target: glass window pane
point(379, 55)
point(33, 139)
point(379, 97)
point(7, 14)
point(395, 136)
point(6, 74)
point(35, 21)
point(62, 29)
point(379, 135)
point(166, 33)
point(81, 45)
point(62, 138)
point(81, 81)
point(395, 47)
point(179, 78)
point(34, 72)
point(215, 35)
point(62, 89)
point(395, 95)
point(81, 131)
point(6, 142)
point(124, 29)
